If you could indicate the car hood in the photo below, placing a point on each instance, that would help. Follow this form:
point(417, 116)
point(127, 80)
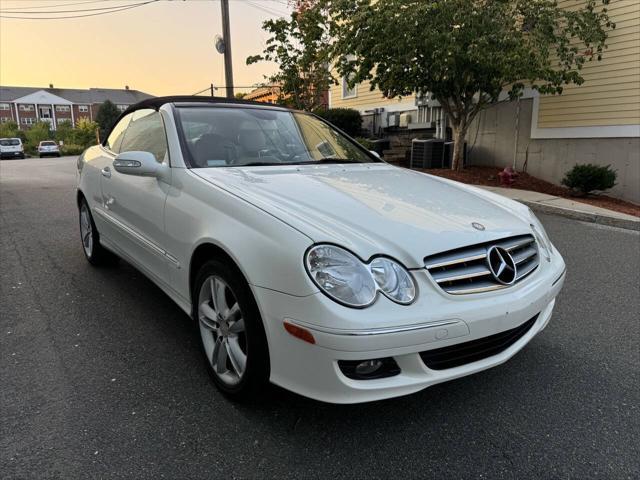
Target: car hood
point(375, 208)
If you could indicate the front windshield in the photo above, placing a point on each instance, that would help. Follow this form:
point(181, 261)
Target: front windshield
point(8, 142)
point(231, 136)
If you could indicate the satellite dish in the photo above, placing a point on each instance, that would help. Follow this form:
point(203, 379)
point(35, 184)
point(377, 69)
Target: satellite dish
point(219, 43)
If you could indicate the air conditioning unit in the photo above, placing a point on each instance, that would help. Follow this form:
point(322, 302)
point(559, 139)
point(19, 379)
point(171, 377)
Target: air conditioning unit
point(405, 120)
point(393, 119)
point(427, 153)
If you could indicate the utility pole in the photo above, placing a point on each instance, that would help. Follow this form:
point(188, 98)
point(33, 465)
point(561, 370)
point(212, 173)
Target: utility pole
point(226, 34)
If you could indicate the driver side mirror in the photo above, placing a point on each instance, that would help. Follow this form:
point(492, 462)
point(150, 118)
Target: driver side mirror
point(142, 164)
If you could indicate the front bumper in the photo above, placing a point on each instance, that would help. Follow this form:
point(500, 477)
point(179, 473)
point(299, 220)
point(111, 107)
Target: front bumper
point(386, 329)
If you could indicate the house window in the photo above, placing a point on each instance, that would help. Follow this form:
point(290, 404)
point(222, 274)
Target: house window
point(62, 108)
point(62, 120)
point(26, 108)
point(83, 108)
point(348, 92)
point(122, 108)
point(4, 106)
point(4, 119)
point(28, 121)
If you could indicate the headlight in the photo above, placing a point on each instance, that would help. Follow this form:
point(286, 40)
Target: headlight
point(541, 236)
point(346, 279)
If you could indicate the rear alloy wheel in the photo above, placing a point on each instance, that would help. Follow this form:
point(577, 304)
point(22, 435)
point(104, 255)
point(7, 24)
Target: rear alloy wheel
point(95, 253)
point(231, 331)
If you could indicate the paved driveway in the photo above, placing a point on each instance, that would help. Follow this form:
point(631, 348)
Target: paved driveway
point(101, 376)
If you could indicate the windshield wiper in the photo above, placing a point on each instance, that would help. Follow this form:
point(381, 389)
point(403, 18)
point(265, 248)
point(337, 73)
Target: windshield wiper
point(259, 164)
point(305, 162)
point(324, 160)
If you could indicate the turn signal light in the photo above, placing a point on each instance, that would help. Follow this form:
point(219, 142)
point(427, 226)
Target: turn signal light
point(299, 332)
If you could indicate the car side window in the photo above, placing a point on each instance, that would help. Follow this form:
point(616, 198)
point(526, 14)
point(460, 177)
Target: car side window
point(117, 134)
point(146, 133)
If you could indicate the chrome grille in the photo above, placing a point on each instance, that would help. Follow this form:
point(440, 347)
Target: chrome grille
point(465, 270)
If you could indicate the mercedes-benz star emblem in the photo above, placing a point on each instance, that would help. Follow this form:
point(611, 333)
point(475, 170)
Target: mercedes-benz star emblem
point(501, 264)
point(477, 226)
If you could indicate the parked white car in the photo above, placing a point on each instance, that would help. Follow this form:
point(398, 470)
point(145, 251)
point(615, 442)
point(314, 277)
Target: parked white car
point(308, 261)
point(48, 148)
point(11, 148)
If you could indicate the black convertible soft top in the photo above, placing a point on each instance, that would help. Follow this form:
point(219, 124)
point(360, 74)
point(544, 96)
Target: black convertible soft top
point(156, 102)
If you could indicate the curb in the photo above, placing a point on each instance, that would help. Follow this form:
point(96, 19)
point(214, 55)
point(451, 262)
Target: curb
point(584, 216)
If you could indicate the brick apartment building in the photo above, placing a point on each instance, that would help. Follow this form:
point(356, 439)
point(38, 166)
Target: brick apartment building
point(28, 105)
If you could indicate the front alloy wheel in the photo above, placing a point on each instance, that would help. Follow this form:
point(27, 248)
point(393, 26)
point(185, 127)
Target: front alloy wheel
point(222, 330)
point(233, 338)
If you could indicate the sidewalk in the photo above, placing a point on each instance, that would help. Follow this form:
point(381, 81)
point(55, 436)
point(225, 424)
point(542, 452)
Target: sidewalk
point(562, 206)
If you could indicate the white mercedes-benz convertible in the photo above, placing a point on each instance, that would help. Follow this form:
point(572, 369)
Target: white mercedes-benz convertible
point(305, 259)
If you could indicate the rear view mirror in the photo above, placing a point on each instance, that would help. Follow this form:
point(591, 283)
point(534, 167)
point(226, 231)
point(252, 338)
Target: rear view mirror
point(142, 164)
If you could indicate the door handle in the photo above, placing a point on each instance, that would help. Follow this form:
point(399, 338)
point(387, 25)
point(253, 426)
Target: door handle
point(106, 172)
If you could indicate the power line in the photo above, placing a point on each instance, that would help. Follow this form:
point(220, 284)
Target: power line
point(114, 10)
point(79, 10)
point(268, 10)
point(54, 6)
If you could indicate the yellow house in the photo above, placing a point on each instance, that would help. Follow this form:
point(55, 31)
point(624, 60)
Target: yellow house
point(597, 122)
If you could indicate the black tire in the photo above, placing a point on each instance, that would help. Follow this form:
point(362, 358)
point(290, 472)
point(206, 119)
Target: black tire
point(255, 378)
point(96, 255)
point(41, 156)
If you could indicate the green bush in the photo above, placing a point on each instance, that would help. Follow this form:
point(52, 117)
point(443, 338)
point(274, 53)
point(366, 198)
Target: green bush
point(71, 149)
point(64, 131)
point(84, 134)
point(36, 134)
point(10, 130)
point(583, 179)
point(346, 119)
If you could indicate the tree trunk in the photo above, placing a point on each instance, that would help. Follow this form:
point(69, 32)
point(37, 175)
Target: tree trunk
point(459, 132)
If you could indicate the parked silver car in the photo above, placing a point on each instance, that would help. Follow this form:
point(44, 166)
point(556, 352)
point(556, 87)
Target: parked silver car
point(11, 148)
point(48, 148)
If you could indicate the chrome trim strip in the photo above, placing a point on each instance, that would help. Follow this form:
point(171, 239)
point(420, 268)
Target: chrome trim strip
point(146, 243)
point(519, 244)
point(373, 331)
point(525, 255)
point(457, 260)
point(463, 276)
point(464, 291)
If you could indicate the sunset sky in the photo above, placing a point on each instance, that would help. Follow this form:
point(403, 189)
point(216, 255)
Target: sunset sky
point(162, 48)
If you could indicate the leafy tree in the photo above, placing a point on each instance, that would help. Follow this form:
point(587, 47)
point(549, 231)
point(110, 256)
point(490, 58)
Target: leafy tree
point(64, 131)
point(85, 133)
point(107, 115)
point(298, 46)
point(240, 95)
point(9, 130)
point(465, 53)
point(37, 133)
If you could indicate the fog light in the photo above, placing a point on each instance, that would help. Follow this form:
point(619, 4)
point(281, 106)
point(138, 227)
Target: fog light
point(368, 367)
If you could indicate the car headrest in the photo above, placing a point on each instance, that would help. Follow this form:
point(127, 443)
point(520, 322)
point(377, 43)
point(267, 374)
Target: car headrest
point(211, 146)
point(252, 140)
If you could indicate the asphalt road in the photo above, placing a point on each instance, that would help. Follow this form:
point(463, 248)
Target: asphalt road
point(101, 376)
